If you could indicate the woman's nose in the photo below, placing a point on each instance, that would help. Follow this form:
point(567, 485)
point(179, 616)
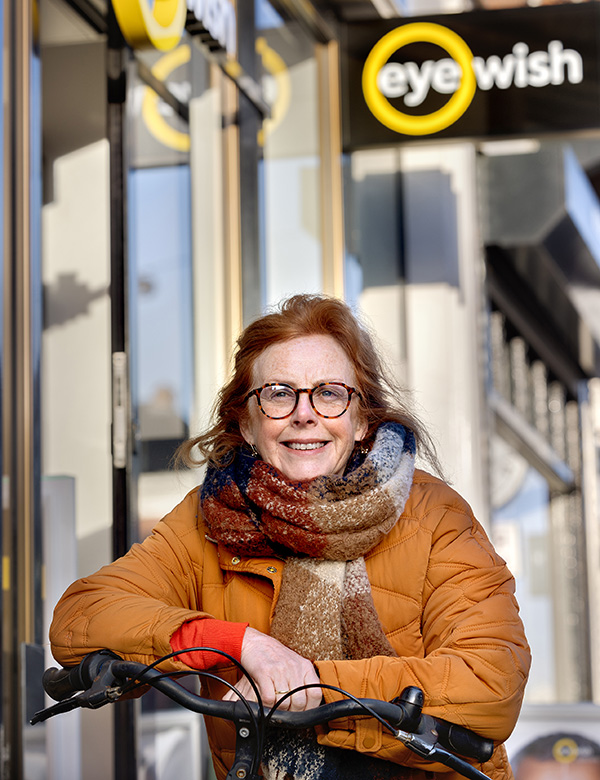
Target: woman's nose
point(304, 412)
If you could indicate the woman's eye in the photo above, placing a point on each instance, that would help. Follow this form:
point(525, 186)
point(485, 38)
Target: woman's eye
point(330, 393)
point(280, 393)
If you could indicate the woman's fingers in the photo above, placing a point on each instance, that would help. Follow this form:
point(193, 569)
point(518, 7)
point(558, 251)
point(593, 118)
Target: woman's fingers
point(276, 670)
point(298, 702)
point(245, 689)
point(305, 699)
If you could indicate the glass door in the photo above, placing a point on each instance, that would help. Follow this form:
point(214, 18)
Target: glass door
point(162, 344)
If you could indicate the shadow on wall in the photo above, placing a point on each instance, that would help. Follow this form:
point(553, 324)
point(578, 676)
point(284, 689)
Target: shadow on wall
point(67, 298)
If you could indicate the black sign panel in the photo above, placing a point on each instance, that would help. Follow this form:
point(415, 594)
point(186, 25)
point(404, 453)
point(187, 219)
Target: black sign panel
point(486, 74)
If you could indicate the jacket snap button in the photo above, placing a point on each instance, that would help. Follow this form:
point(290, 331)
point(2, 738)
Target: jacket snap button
point(235, 560)
point(271, 569)
point(368, 742)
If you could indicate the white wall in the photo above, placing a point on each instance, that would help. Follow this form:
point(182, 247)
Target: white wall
point(76, 404)
point(413, 226)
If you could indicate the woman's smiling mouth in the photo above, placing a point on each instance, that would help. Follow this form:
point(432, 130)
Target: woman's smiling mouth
point(308, 445)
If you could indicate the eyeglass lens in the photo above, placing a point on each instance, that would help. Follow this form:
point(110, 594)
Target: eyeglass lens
point(327, 399)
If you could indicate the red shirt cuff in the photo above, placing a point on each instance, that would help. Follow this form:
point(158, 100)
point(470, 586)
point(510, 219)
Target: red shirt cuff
point(208, 632)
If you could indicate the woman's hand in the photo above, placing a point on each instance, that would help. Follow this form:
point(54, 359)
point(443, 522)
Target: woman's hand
point(276, 669)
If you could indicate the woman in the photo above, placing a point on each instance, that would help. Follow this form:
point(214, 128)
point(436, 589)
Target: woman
point(558, 756)
point(315, 552)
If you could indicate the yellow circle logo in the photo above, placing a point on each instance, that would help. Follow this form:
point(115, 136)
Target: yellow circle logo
point(565, 750)
point(408, 124)
point(144, 24)
point(275, 66)
point(157, 124)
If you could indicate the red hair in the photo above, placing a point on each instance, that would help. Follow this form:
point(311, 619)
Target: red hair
point(303, 315)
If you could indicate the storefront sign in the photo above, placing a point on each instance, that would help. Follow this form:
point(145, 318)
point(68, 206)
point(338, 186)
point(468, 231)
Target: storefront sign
point(218, 17)
point(160, 25)
point(492, 73)
point(383, 80)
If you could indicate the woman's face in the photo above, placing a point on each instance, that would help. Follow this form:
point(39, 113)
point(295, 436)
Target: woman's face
point(533, 769)
point(304, 445)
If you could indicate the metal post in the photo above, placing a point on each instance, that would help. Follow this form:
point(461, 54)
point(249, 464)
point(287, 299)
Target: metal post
point(21, 527)
point(250, 121)
point(125, 751)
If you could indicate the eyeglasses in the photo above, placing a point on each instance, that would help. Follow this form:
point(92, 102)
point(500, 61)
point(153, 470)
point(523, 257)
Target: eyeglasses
point(329, 399)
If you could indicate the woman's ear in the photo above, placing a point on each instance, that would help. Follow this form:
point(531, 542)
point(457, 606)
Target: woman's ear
point(361, 429)
point(246, 431)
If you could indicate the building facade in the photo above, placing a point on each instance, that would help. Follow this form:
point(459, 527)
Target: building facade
point(159, 194)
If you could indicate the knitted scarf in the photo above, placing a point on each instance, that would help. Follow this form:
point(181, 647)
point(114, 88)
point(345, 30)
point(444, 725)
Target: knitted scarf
point(322, 528)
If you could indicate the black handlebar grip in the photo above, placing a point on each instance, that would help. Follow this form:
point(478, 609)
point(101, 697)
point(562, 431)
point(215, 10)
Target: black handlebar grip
point(61, 684)
point(464, 742)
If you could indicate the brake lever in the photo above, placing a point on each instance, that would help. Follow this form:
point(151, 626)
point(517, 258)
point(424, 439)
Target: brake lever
point(424, 744)
point(102, 691)
point(92, 699)
point(66, 705)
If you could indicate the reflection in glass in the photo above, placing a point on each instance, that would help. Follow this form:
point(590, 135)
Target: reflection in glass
point(521, 532)
point(172, 741)
point(290, 170)
point(160, 250)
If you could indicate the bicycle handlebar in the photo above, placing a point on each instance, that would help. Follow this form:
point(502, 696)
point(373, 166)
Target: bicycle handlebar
point(103, 675)
point(62, 683)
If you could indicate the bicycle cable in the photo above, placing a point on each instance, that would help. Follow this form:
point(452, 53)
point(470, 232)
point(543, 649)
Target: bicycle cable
point(368, 710)
point(257, 720)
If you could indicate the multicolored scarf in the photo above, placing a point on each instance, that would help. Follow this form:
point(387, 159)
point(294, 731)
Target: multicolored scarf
point(322, 529)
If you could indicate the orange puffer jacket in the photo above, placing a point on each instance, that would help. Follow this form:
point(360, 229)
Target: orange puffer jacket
point(444, 597)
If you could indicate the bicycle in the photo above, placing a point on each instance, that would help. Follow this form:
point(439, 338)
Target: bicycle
point(103, 677)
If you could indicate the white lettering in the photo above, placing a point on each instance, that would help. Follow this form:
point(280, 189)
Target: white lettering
point(447, 76)
point(494, 72)
point(420, 81)
point(520, 51)
point(391, 80)
point(561, 58)
point(539, 69)
point(182, 90)
point(520, 68)
point(218, 16)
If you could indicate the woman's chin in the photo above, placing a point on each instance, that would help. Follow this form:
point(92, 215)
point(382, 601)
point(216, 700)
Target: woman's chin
point(304, 471)
point(302, 475)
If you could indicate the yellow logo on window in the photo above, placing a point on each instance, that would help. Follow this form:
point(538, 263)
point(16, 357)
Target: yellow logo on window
point(160, 26)
point(157, 124)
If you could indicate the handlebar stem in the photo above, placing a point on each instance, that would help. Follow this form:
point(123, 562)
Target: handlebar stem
point(245, 763)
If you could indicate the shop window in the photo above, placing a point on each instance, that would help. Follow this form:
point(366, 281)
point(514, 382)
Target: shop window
point(537, 514)
point(161, 269)
point(521, 379)
point(160, 248)
point(290, 169)
point(164, 348)
point(521, 530)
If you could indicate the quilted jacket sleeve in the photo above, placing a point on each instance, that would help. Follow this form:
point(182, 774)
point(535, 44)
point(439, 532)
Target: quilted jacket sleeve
point(476, 658)
point(135, 604)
